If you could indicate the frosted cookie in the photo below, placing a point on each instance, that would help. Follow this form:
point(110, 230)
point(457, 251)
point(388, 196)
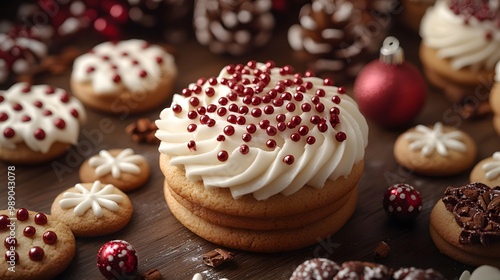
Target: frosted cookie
point(93, 209)
point(465, 226)
point(437, 151)
point(37, 246)
point(124, 77)
point(37, 123)
point(459, 48)
point(487, 171)
point(121, 168)
point(244, 158)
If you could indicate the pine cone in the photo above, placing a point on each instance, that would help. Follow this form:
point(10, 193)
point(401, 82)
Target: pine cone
point(337, 35)
point(233, 26)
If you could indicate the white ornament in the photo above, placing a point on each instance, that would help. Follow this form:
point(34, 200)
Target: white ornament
point(427, 140)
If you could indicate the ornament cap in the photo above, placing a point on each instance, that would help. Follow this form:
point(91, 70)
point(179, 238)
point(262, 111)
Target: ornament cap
point(391, 52)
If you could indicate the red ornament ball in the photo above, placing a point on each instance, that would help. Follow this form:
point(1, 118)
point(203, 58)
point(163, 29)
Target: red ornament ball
point(402, 202)
point(117, 259)
point(390, 95)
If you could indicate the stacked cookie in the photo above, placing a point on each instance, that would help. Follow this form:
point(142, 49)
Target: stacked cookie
point(261, 158)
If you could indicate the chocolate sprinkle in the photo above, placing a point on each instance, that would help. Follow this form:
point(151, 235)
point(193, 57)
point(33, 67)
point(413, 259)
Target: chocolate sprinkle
point(476, 209)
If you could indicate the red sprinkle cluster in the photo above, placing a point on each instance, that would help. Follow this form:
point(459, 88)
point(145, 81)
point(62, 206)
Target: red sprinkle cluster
point(250, 91)
point(480, 10)
point(39, 133)
point(35, 253)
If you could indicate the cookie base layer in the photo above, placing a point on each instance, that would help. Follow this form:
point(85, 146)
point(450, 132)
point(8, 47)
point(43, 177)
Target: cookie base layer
point(123, 101)
point(445, 233)
point(220, 199)
point(262, 241)
point(22, 154)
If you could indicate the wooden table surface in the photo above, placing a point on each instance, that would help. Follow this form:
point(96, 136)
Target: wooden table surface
point(163, 243)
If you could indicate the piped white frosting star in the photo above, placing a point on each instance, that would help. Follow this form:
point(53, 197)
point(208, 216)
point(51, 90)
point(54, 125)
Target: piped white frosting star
point(492, 168)
point(125, 161)
point(428, 140)
point(97, 198)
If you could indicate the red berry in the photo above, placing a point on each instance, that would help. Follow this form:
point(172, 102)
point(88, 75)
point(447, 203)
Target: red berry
point(402, 202)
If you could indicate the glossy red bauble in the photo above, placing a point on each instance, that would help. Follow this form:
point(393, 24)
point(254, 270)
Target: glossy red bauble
point(402, 202)
point(117, 259)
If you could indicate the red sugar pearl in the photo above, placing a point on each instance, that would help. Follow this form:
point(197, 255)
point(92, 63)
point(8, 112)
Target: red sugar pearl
point(191, 127)
point(334, 120)
point(322, 126)
point(221, 111)
point(200, 82)
point(17, 107)
point(191, 145)
point(264, 124)
point(194, 101)
point(22, 214)
point(229, 130)
point(47, 112)
point(256, 100)
point(211, 108)
point(243, 110)
point(26, 89)
point(251, 128)
point(279, 88)
point(223, 81)
point(36, 253)
point(256, 112)
point(252, 64)
point(196, 88)
point(10, 241)
point(186, 92)
point(281, 126)
point(241, 120)
point(248, 91)
point(306, 107)
point(300, 88)
point(176, 108)
point(212, 81)
point(334, 111)
point(204, 119)
point(238, 88)
point(280, 117)
point(320, 92)
point(278, 102)
point(340, 136)
point(271, 130)
point(233, 107)
point(231, 119)
point(271, 143)
point(116, 78)
point(303, 130)
point(201, 110)
point(90, 70)
point(291, 125)
point(295, 137)
point(3, 117)
point(247, 99)
point(4, 222)
point(288, 159)
point(232, 96)
point(40, 219)
point(341, 90)
point(315, 99)
point(9, 132)
point(320, 107)
point(297, 80)
point(308, 85)
point(210, 91)
point(223, 101)
point(245, 81)
point(8, 256)
point(49, 237)
point(211, 122)
point(192, 115)
point(38, 104)
point(222, 155)
point(29, 231)
point(246, 137)
point(298, 96)
point(286, 96)
point(244, 149)
point(315, 119)
point(221, 138)
point(296, 120)
point(25, 118)
point(268, 110)
point(290, 107)
point(273, 93)
point(310, 140)
point(270, 64)
point(336, 99)
point(230, 69)
point(159, 60)
point(328, 82)
point(143, 74)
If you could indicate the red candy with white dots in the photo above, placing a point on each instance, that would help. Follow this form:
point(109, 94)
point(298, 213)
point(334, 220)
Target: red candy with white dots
point(402, 202)
point(117, 259)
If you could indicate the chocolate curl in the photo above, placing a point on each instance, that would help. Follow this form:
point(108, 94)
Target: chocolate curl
point(217, 257)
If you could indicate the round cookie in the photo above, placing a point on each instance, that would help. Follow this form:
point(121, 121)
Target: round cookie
point(43, 246)
point(487, 171)
point(93, 209)
point(120, 168)
point(124, 77)
point(435, 151)
point(37, 123)
point(473, 241)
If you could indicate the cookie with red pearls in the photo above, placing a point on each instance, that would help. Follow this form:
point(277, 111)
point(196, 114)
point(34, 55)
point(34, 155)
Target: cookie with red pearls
point(36, 245)
point(37, 123)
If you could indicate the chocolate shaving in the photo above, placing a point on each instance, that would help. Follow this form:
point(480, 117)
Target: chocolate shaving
point(217, 257)
point(143, 131)
point(476, 209)
point(382, 250)
point(152, 274)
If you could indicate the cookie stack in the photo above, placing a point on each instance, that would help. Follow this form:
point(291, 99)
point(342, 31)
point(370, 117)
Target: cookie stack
point(268, 161)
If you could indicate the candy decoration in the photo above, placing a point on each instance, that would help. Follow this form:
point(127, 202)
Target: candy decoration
point(402, 202)
point(233, 27)
point(390, 91)
point(117, 259)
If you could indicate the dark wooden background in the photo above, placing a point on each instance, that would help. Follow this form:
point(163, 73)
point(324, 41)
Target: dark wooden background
point(163, 243)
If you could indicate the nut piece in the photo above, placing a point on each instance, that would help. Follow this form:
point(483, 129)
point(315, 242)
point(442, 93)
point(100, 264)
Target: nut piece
point(217, 257)
point(152, 274)
point(382, 250)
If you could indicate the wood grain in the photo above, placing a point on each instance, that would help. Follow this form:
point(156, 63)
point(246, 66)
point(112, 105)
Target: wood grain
point(164, 244)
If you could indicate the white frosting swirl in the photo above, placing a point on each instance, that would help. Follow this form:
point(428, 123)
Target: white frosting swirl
point(96, 198)
point(262, 171)
point(125, 162)
point(43, 111)
point(428, 140)
point(133, 64)
point(474, 44)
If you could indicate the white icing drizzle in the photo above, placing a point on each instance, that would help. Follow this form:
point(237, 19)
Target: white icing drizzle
point(481, 273)
point(40, 108)
point(96, 198)
point(428, 140)
point(492, 168)
point(465, 44)
point(198, 276)
point(133, 65)
point(125, 162)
